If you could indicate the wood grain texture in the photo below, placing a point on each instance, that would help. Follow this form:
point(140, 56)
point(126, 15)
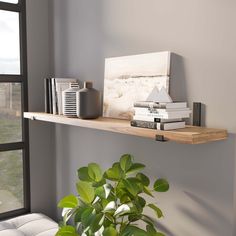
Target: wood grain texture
point(188, 135)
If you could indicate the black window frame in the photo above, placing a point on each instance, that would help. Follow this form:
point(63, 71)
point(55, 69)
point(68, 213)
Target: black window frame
point(20, 8)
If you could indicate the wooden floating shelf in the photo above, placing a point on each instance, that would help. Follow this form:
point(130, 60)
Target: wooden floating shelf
point(188, 135)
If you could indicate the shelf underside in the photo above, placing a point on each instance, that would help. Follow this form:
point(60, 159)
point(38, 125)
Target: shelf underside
point(188, 135)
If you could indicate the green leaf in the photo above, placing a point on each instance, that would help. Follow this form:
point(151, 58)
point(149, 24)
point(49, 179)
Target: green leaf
point(67, 231)
point(161, 185)
point(137, 206)
point(156, 209)
point(86, 191)
point(131, 187)
point(88, 217)
point(133, 230)
point(109, 217)
point(95, 172)
point(120, 189)
point(147, 191)
point(151, 230)
point(115, 173)
point(148, 220)
point(78, 214)
point(126, 162)
point(134, 217)
point(159, 234)
point(100, 192)
point(97, 222)
point(125, 198)
point(141, 201)
point(70, 201)
point(100, 183)
point(110, 231)
point(83, 174)
point(137, 183)
point(135, 168)
point(143, 178)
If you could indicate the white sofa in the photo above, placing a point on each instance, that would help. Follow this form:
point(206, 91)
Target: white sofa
point(29, 225)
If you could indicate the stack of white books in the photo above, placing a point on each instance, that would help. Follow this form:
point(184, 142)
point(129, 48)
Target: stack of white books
point(161, 116)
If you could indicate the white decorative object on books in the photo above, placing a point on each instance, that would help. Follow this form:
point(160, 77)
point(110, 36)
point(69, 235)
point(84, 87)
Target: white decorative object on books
point(159, 96)
point(132, 78)
point(69, 101)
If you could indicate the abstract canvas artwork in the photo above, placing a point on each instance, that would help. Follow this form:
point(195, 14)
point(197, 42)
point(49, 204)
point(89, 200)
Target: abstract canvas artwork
point(132, 78)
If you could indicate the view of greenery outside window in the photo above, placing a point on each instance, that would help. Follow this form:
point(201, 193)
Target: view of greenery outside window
point(14, 194)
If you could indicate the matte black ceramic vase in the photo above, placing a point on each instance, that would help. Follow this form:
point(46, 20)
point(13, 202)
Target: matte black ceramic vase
point(89, 102)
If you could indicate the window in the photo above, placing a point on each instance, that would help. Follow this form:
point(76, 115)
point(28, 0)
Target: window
point(14, 156)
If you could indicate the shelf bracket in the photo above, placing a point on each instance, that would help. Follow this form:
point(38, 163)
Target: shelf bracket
point(32, 118)
point(161, 138)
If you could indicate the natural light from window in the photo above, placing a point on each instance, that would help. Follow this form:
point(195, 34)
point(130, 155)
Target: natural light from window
point(10, 1)
point(11, 184)
point(9, 43)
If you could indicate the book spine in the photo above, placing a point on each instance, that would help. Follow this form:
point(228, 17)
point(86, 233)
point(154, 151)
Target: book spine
point(144, 111)
point(174, 105)
point(46, 95)
point(171, 126)
point(54, 98)
point(149, 105)
point(162, 126)
point(50, 95)
point(167, 115)
point(59, 98)
point(143, 124)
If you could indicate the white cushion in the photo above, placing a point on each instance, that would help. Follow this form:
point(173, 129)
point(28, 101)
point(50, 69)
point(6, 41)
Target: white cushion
point(29, 225)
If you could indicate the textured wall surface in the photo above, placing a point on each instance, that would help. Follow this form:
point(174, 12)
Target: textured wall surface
point(202, 36)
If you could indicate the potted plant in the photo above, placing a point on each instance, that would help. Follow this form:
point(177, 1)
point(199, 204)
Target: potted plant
point(111, 203)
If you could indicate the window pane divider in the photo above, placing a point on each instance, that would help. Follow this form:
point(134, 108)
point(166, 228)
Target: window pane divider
point(11, 146)
point(10, 6)
point(10, 214)
point(11, 78)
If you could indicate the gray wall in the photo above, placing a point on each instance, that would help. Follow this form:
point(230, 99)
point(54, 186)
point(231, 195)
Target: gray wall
point(201, 34)
point(42, 161)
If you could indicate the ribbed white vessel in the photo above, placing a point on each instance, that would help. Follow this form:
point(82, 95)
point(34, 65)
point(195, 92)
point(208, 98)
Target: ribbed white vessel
point(69, 100)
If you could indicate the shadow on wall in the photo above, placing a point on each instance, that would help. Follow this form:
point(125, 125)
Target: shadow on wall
point(178, 84)
point(200, 200)
point(178, 87)
point(213, 222)
point(202, 208)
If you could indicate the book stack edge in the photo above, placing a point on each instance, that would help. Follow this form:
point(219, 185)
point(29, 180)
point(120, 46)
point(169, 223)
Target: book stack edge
point(161, 116)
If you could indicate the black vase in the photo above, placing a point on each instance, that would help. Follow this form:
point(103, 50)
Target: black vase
point(89, 102)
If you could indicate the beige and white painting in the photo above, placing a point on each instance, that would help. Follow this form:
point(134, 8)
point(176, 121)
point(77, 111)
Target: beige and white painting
point(132, 78)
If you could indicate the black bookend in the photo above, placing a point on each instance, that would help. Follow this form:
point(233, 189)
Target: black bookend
point(197, 114)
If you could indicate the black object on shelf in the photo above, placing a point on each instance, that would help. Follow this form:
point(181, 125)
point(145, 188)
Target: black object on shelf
point(161, 138)
point(46, 94)
point(197, 114)
point(89, 100)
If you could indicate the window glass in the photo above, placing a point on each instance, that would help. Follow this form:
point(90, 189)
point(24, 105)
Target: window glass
point(10, 1)
point(9, 43)
point(11, 181)
point(10, 113)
